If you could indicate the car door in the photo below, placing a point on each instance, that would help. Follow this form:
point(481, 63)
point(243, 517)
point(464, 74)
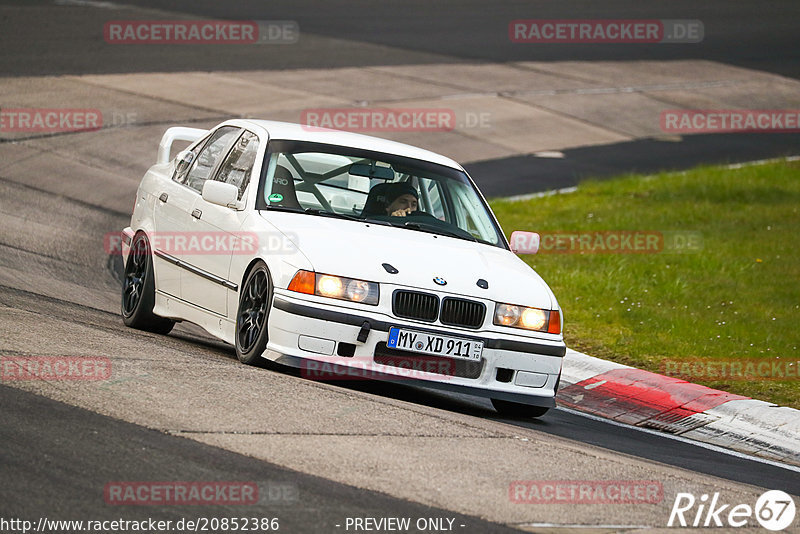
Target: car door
point(207, 284)
point(171, 218)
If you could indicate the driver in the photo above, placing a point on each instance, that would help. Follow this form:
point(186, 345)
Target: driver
point(402, 199)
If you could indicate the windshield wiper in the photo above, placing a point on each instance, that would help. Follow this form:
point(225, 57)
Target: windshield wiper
point(434, 229)
point(323, 213)
point(276, 207)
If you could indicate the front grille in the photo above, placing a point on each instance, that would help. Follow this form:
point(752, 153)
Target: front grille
point(415, 305)
point(460, 312)
point(413, 363)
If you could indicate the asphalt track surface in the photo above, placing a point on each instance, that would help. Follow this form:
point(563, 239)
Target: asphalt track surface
point(56, 457)
point(520, 175)
point(618, 438)
point(755, 35)
point(46, 473)
point(63, 37)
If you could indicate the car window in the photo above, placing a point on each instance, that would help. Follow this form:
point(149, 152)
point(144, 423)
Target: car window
point(238, 164)
point(358, 184)
point(184, 163)
point(431, 197)
point(468, 210)
point(203, 165)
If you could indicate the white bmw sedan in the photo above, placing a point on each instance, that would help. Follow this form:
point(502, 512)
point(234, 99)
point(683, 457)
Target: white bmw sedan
point(344, 255)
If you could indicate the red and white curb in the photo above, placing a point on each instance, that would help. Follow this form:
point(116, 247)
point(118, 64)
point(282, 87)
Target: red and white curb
point(644, 399)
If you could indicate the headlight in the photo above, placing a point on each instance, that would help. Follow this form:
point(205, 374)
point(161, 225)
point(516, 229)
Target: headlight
point(527, 318)
point(506, 315)
point(335, 287)
point(330, 286)
point(359, 290)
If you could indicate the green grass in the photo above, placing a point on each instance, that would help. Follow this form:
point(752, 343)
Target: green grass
point(738, 298)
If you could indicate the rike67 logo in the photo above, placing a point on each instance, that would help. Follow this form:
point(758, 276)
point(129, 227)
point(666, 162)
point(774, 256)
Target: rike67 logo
point(774, 510)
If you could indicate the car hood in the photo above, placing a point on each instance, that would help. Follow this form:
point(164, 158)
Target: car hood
point(359, 250)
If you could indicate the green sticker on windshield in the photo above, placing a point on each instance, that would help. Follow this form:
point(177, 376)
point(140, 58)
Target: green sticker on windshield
point(275, 197)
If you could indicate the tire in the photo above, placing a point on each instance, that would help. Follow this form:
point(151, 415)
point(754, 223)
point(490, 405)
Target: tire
point(139, 290)
point(255, 300)
point(518, 410)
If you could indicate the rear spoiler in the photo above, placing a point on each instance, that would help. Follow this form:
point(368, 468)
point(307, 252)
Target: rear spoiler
point(177, 133)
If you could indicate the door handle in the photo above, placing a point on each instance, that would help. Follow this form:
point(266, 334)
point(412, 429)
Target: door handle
point(196, 213)
point(163, 197)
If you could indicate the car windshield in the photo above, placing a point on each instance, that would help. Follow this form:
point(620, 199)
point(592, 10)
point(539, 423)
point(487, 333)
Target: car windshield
point(334, 181)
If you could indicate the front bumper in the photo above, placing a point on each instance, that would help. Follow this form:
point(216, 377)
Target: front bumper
point(312, 335)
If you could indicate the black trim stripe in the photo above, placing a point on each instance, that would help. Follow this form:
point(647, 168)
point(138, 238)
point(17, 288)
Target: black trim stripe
point(328, 315)
point(196, 270)
point(532, 348)
point(383, 326)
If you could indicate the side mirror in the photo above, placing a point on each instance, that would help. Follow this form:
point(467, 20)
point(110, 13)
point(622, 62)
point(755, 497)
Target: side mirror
point(524, 242)
point(222, 194)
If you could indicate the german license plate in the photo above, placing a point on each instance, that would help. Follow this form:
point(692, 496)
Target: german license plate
point(434, 344)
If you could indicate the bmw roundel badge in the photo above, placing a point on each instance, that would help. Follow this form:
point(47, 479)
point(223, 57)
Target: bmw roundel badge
point(440, 281)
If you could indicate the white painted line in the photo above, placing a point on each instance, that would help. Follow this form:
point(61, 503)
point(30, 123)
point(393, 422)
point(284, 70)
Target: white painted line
point(682, 86)
point(761, 162)
point(551, 154)
point(89, 3)
point(528, 196)
point(708, 446)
